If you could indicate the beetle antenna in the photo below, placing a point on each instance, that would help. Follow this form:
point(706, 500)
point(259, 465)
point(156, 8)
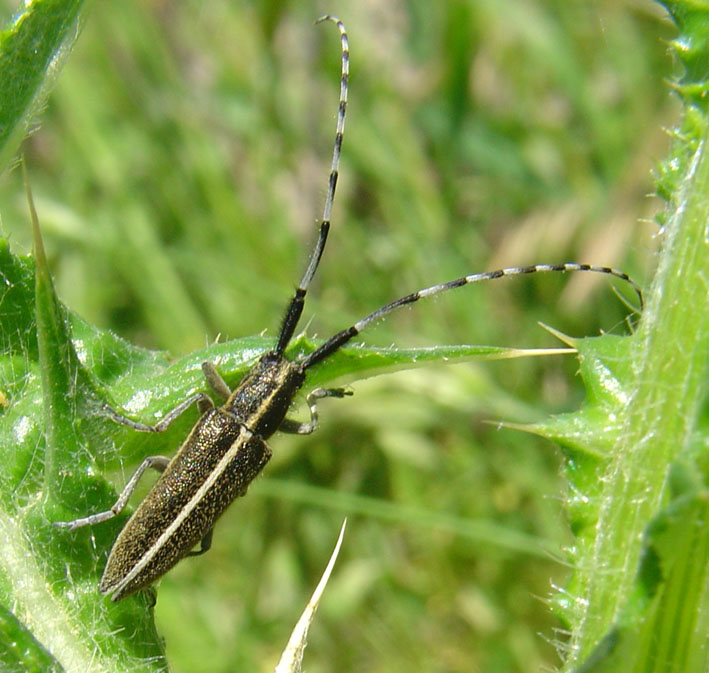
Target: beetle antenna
point(295, 308)
point(341, 338)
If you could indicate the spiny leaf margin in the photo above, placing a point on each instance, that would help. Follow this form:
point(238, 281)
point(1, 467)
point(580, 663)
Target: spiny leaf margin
point(637, 449)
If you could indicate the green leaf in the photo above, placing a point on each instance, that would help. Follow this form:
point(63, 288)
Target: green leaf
point(32, 51)
point(47, 579)
point(19, 651)
point(664, 624)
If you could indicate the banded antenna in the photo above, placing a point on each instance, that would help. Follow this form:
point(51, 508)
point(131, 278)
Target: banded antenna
point(341, 338)
point(295, 308)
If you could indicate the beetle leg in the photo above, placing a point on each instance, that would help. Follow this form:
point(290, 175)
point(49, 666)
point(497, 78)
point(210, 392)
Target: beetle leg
point(158, 463)
point(215, 380)
point(297, 428)
point(204, 403)
point(204, 545)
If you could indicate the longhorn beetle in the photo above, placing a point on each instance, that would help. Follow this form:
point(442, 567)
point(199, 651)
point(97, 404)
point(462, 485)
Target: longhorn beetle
point(226, 448)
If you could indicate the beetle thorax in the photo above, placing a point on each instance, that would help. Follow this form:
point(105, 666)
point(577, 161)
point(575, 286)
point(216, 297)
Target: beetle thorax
point(265, 394)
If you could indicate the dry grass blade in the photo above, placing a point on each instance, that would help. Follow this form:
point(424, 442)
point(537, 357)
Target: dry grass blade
point(292, 656)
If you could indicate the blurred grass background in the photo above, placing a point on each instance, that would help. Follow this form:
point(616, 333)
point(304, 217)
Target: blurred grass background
point(179, 170)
